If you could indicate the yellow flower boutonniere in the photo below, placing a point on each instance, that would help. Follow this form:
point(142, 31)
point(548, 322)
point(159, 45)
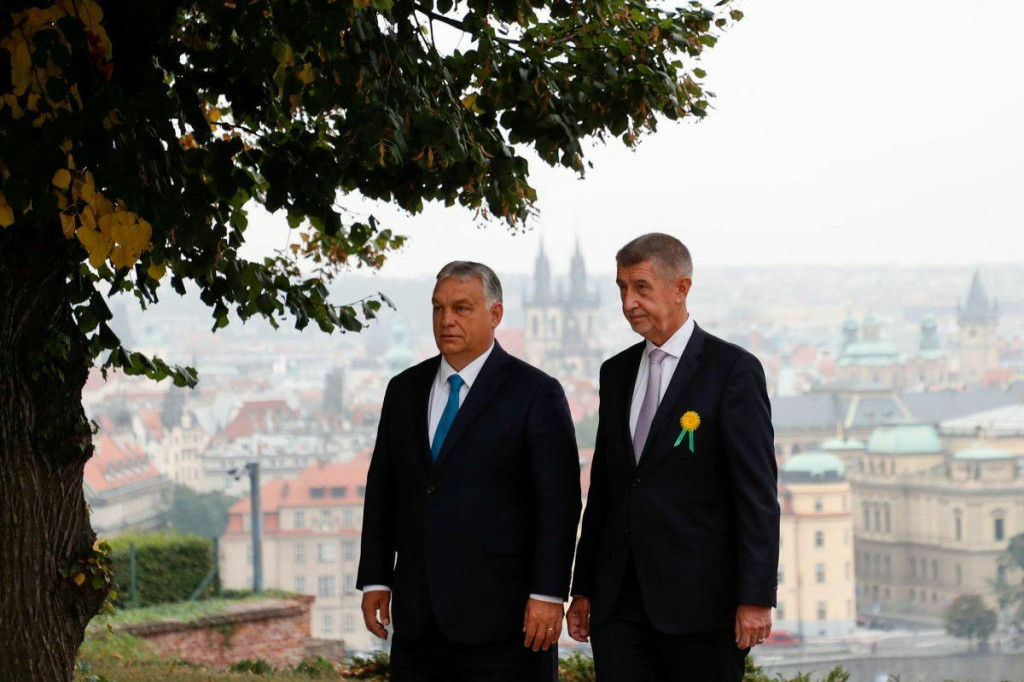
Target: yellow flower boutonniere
point(689, 423)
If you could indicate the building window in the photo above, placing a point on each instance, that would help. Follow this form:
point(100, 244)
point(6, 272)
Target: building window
point(876, 562)
point(999, 528)
point(316, 493)
point(350, 583)
point(867, 517)
point(339, 492)
point(888, 520)
point(888, 565)
point(935, 569)
point(325, 552)
point(361, 490)
point(300, 518)
point(958, 524)
point(878, 518)
point(325, 518)
point(913, 567)
point(327, 624)
point(819, 504)
point(819, 573)
point(822, 610)
point(924, 569)
point(347, 517)
point(325, 586)
point(819, 538)
point(348, 550)
point(300, 584)
point(867, 562)
point(349, 622)
point(300, 553)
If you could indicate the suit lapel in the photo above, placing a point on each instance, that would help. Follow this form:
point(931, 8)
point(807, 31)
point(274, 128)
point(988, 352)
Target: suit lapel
point(492, 375)
point(687, 367)
point(632, 366)
point(425, 383)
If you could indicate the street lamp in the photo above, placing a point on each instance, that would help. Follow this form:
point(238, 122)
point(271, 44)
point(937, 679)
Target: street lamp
point(253, 468)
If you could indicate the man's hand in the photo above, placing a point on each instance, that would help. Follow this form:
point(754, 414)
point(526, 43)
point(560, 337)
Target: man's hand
point(373, 602)
point(753, 625)
point(578, 618)
point(542, 624)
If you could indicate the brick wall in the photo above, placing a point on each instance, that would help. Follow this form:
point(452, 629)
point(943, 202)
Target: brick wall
point(275, 630)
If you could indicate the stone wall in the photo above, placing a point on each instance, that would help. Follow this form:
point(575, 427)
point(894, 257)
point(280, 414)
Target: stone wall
point(275, 630)
point(974, 667)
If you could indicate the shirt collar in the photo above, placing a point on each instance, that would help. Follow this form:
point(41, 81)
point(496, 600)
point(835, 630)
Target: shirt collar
point(468, 373)
point(676, 343)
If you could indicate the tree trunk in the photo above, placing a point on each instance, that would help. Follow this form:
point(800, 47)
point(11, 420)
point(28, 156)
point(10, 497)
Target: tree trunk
point(44, 444)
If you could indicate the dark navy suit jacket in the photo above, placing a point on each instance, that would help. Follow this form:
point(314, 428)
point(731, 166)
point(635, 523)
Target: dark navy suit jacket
point(702, 527)
point(493, 521)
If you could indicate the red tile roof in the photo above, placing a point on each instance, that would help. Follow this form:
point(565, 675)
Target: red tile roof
point(116, 463)
point(152, 422)
point(256, 416)
point(350, 475)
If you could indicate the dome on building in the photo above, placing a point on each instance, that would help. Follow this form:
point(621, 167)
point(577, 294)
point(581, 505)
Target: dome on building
point(842, 445)
point(399, 356)
point(809, 467)
point(904, 439)
point(983, 453)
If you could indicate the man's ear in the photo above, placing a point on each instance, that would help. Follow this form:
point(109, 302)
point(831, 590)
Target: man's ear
point(497, 312)
point(683, 285)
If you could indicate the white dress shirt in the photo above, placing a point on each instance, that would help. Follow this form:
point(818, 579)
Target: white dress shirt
point(675, 346)
point(439, 392)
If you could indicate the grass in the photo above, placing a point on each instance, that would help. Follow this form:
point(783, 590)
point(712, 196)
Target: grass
point(185, 611)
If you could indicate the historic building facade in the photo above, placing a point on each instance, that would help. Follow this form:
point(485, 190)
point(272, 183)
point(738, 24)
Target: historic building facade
point(930, 525)
point(978, 320)
point(561, 329)
point(816, 577)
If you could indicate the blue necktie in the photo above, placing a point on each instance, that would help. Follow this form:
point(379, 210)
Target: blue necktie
point(448, 416)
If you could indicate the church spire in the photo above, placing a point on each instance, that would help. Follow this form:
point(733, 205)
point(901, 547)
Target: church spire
point(978, 308)
point(541, 277)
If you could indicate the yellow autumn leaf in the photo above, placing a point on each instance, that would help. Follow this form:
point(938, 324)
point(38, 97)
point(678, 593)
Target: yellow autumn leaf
point(6, 212)
point(21, 67)
point(67, 224)
point(157, 271)
point(62, 178)
point(469, 101)
point(214, 115)
point(306, 74)
point(122, 257)
point(79, 578)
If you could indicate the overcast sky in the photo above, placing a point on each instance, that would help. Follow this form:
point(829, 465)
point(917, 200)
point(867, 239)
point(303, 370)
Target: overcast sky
point(842, 133)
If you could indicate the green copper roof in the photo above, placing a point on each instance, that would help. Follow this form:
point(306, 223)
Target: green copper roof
point(814, 463)
point(840, 444)
point(980, 452)
point(904, 439)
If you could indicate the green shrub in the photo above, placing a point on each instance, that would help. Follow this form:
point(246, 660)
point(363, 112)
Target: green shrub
point(168, 566)
point(315, 668)
point(257, 667)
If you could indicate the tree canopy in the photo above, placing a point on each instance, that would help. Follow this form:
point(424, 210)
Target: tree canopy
point(142, 132)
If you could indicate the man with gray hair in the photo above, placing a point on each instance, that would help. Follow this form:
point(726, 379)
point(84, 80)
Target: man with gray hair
point(472, 502)
point(676, 566)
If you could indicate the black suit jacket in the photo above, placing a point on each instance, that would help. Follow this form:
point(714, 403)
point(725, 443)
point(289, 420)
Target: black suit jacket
point(701, 527)
point(493, 521)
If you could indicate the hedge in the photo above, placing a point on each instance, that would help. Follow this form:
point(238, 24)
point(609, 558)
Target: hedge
point(168, 567)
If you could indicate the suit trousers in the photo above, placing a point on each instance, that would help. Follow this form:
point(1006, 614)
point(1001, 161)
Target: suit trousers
point(432, 657)
point(628, 649)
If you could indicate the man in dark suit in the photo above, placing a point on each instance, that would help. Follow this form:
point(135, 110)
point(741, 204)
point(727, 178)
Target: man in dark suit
point(472, 502)
point(676, 567)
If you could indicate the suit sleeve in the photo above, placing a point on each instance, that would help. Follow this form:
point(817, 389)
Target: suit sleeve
point(377, 549)
point(593, 518)
point(555, 473)
point(749, 443)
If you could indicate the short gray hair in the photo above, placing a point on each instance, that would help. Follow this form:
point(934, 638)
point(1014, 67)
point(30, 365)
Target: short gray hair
point(669, 255)
point(464, 270)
